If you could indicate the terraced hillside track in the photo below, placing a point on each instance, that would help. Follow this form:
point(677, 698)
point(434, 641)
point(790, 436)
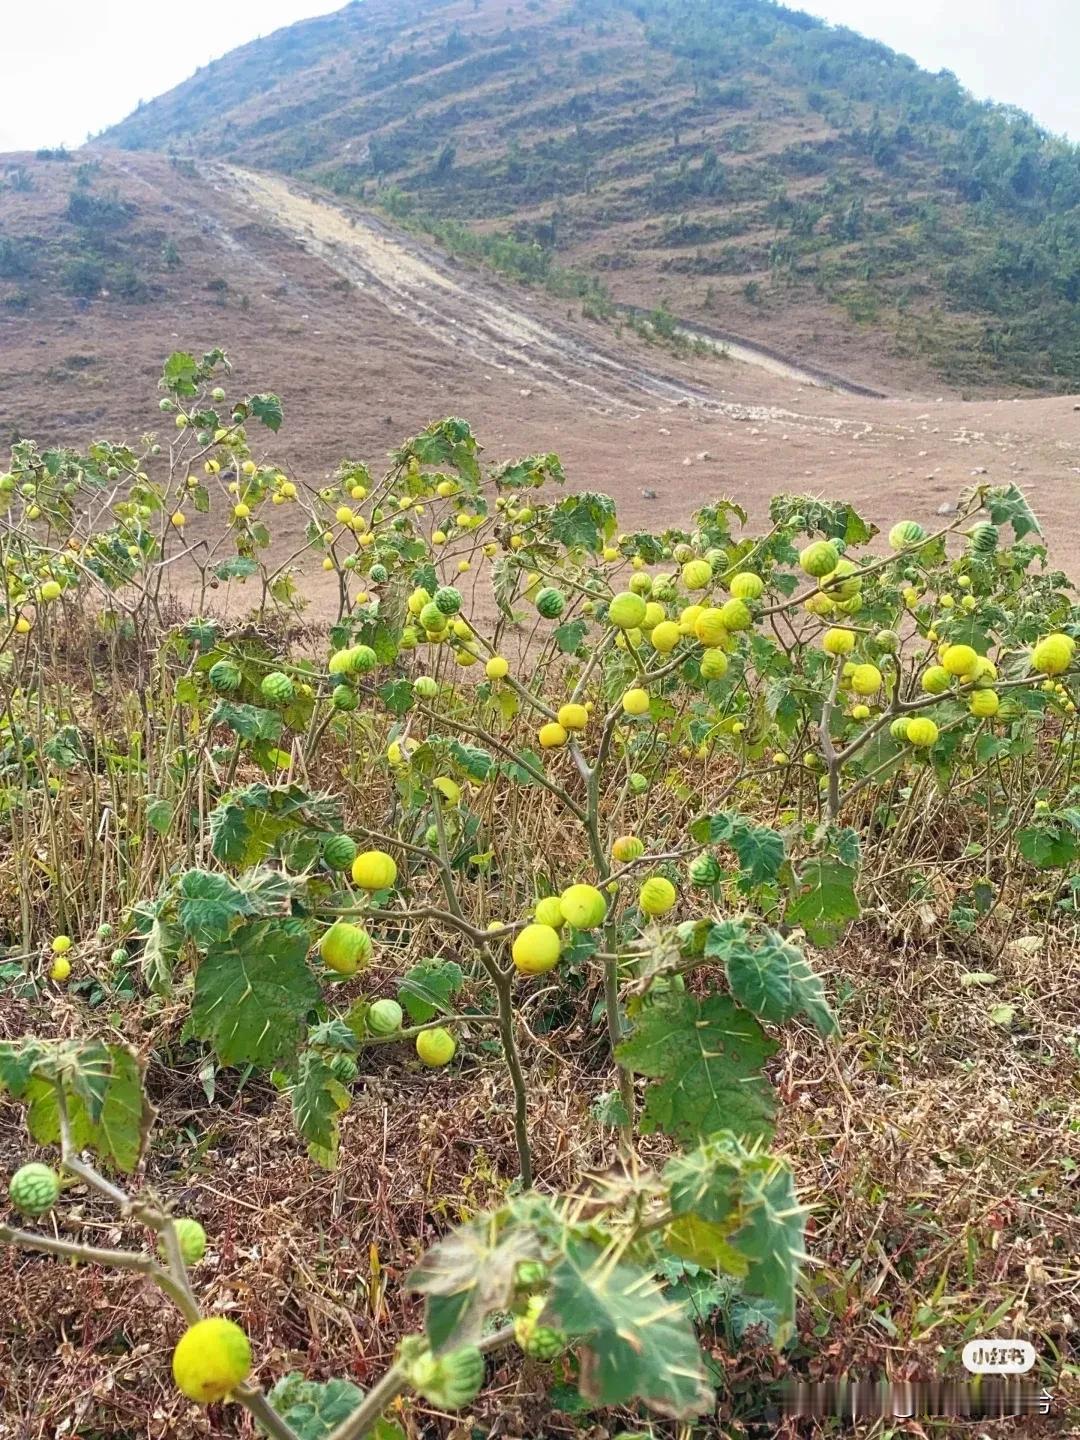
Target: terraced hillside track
point(470, 311)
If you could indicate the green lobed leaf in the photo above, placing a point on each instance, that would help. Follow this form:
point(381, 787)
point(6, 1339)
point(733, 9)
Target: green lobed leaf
point(425, 990)
point(318, 1101)
point(253, 993)
point(706, 1057)
point(314, 1408)
point(209, 905)
point(759, 847)
point(825, 901)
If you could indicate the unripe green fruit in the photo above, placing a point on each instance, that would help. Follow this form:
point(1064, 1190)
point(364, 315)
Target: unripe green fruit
point(34, 1188)
point(362, 659)
point(119, 956)
point(887, 640)
point(425, 687)
point(432, 618)
point(638, 783)
point(704, 869)
point(550, 602)
point(384, 1017)
point(191, 1238)
point(344, 697)
point(898, 728)
point(378, 574)
point(448, 600)
point(344, 1069)
point(819, 559)
point(983, 538)
point(451, 1380)
point(277, 688)
point(339, 851)
point(905, 533)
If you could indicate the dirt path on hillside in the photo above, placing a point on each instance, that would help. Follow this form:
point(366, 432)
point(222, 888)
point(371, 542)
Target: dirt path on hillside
point(470, 312)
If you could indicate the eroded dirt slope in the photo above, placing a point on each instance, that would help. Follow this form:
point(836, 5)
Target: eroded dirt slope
point(368, 336)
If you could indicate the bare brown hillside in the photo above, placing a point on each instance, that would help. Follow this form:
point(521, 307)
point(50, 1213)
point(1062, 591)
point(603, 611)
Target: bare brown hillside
point(368, 335)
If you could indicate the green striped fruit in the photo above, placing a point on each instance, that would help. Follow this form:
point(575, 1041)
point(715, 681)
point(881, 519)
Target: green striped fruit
point(34, 1189)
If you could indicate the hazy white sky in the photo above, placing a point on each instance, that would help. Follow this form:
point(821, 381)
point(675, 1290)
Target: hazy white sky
point(68, 67)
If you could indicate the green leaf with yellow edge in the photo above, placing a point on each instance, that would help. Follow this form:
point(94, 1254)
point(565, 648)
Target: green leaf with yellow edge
point(705, 1243)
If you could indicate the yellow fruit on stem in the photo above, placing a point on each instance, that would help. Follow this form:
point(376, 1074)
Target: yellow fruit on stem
point(497, 668)
point(838, 642)
point(922, 732)
point(583, 906)
point(626, 848)
point(665, 636)
point(866, 680)
point(212, 1357)
point(345, 947)
point(697, 574)
point(636, 702)
point(1053, 654)
point(714, 664)
point(573, 716)
point(552, 735)
point(626, 610)
point(548, 911)
point(960, 660)
point(656, 896)
point(984, 703)
point(536, 949)
point(60, 970)
point(936, 680)
point(709, 626)
point(374, 870)
point(436, 1047)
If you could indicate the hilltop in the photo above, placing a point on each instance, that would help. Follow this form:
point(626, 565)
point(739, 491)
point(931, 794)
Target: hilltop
point(733, 161)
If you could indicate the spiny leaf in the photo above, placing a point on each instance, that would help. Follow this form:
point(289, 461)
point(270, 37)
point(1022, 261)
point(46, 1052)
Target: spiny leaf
point(467, 1276)
point(636, 1342)
point(253, 992)
point(706, 1057)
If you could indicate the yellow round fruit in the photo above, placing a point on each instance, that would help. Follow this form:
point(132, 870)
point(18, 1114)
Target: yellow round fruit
point(656, 896)
point(636, 702)
point(23, 626)
point(610, 553)
point(746, 585)
point(61, 944)
point(552, 735)
point(922, 732)
point(50, 590)
point(374, 870)
point(625, 848)
point(178, 519)
point(936, 680)
point(60, 970)
point(985, 672)
point(241, 511)
point(697, 574)
point(436, 1047)
point(345, 948)
point(735, 615)
point(583, 906)
point(548, 911)
point(573, 716)
point(960, 660)
point(860, 712)
point(838, 642)
point(654, 615)
point(212, 1357)
point(626, 610)
point(536, 949)
point(665, 636)
point(866, 680)
point(984, 703)
point(497, 668)
point(714, 664)
point(1053, 654)
point(709, 626)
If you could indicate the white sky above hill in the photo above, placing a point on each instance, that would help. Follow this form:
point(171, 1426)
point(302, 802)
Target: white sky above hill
point(70, 68)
